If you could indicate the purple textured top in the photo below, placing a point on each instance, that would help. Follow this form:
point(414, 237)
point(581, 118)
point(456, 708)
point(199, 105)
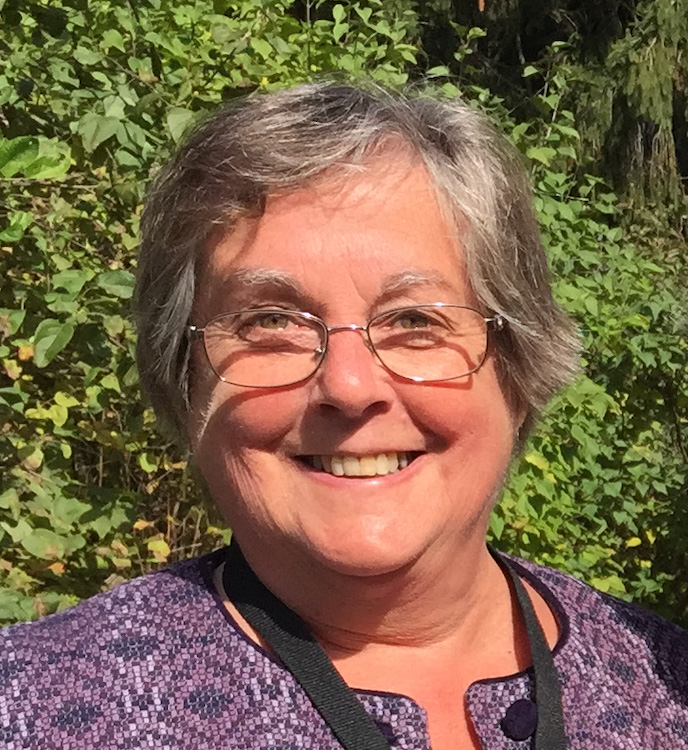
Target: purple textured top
point(159, 663)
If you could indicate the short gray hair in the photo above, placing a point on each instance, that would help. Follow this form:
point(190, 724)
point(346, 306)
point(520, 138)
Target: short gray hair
point(268, 143)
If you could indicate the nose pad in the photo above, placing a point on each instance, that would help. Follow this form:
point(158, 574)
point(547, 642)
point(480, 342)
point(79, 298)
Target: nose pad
point(322, 351)
point(349, 380)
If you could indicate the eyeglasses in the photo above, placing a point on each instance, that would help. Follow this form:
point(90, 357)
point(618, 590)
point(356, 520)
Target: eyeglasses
point(273, 348)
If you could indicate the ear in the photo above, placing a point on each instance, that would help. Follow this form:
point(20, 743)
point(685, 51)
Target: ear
point(519, 417)
point(522, 421)
point(200, 390)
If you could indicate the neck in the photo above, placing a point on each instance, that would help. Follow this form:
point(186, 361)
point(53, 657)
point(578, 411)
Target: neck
point(444, 598)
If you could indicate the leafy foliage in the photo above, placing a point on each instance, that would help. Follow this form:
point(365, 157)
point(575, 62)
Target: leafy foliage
point(93, 95)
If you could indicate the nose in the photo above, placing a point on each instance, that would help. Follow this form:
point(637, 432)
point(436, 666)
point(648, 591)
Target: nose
point(351, 380)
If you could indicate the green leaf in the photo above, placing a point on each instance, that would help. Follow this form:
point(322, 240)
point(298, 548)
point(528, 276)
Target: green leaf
point(45, 544)
point(263, 48)
point(96, 129)
point(475, 32)
point(54, 160)
point(19, 223)
point(19, 532)
point(537, 459)
point(125, 158)
point(47, 167)
point(71, 280)
point(50, 339)
point(15, 606)
point(338, 13)
point(496, 526)
point(592, 306)
point(178, 120)
point(611, 584)
point(339, 30)
point(17, 154)
point(86, 57)
point(439, 71)
point(65, 399)
point(112, 38)
point(364, 13)
point(66, 510)
point(9, 499)
point(115, 325)
point(119, 283)
point(111, 383)
point(10, 321)
point(543, 154)
point(148, 462)
point(160, 549)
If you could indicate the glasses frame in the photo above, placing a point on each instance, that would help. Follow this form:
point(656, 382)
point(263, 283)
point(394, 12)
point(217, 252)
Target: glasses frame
point(495, 323)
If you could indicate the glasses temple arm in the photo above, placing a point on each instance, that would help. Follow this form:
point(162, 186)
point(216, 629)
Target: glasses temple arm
point(193, 332)
point(497, 322)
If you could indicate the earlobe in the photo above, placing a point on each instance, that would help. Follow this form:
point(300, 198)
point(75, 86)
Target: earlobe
point(519, 421)
point(522, 425)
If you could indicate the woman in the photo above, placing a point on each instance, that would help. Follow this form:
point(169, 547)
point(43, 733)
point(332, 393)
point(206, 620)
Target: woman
point(345, 310)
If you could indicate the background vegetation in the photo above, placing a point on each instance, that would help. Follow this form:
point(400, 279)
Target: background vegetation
point(94, 95)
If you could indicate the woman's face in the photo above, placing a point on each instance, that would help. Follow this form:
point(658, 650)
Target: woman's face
point(344, 250)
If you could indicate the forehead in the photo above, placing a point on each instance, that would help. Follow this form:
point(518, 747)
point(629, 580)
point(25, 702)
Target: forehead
point(363, 233)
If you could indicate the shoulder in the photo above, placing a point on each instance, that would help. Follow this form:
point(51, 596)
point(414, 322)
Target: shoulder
point(156, 662)
point(138, 605)
point(622, 668)
point(67, 665)
point(584, 608)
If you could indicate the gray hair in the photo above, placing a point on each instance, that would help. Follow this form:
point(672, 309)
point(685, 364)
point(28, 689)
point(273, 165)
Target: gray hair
point(276, 142)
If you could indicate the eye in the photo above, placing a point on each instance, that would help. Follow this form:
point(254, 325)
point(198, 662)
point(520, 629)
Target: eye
point(413, 319)
point(258, 326)
point(267, 330)
point(271, 320)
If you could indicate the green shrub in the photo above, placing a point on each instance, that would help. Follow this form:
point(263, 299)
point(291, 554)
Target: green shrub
point(93, 97)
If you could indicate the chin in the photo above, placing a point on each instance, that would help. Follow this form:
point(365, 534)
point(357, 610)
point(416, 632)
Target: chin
point(361, 556)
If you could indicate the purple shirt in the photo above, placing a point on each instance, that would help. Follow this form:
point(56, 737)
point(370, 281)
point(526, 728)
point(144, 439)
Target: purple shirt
point(159, 663)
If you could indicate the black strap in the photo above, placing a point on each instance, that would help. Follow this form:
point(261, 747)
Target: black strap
point(302, 655)
point(549, 732)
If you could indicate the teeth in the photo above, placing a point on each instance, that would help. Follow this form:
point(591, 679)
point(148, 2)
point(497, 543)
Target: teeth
point(382, 464)
point(367, 466)
point(361, 466)
point(352, 466)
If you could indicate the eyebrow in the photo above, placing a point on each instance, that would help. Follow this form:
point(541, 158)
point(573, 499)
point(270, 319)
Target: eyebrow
point(241, 285)
point(405, 281)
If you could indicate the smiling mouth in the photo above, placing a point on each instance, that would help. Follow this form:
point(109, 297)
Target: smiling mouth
point(376, 465)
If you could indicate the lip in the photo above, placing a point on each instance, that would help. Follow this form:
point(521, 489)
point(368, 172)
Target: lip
point(359, 453)
point(351, 483)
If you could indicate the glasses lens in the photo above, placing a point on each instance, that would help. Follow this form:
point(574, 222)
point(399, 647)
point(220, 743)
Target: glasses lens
point(430, 342)
point(263, 348)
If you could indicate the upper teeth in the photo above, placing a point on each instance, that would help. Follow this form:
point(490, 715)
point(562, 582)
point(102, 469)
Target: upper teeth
point(361, 466)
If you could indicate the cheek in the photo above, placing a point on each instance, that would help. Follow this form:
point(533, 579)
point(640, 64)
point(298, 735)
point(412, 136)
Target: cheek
point(225, 418)
point(230, 420)
point(471, 415)
point(236, 452)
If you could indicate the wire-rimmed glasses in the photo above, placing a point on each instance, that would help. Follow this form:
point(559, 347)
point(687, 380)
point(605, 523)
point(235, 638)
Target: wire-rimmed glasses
point(274, 348)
